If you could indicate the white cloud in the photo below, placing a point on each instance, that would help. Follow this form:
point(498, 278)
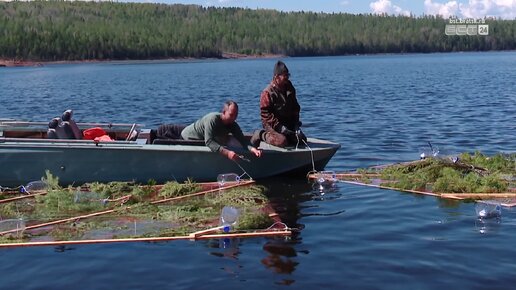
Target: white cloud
point(505, 9)
point(344, 3)
point(479, 8)
point(446, 10)
point(386, 7)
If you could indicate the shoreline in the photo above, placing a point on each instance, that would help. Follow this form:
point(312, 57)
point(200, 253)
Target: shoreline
point(227, 55)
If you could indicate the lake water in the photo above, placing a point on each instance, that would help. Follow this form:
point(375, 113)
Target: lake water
point(381, 109)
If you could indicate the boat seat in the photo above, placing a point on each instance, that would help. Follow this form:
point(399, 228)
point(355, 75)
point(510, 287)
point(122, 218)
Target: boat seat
point(133, 133)
point(51, 132)
point(178, 142)
point(61, 131)
point(70, 128)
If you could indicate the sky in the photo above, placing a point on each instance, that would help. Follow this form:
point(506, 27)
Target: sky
point(505, 9)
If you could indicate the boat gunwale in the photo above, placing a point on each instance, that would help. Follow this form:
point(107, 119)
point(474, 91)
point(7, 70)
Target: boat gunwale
point(320, 145)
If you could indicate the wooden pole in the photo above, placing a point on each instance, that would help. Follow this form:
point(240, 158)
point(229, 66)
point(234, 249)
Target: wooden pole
point(203, 232)
point(480, 195)
point(156, 239)
point(21, 197)
point(347, 175)
point(393, 188)
point(61, 221)
point(457, 196)
point(247, 182)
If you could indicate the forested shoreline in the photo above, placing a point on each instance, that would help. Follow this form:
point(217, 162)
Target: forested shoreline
point(80, 31)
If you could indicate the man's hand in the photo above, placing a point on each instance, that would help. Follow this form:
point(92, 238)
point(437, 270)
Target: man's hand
point(231, 155)
point(256, 152)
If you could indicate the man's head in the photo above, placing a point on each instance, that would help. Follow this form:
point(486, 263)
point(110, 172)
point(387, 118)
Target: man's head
point(280, 68)
point(281, 74)
point(229, 112)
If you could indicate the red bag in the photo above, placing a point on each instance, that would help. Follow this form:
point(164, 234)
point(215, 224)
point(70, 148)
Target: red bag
point(92, 133)
point(103, 138)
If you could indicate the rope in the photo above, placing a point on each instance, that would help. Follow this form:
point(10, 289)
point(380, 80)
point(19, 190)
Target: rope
point(312, 156)
point(297, 137)
point(245, 172)
point(285, 227)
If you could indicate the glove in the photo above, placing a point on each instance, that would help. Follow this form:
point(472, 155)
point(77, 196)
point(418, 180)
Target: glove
point(286, 131)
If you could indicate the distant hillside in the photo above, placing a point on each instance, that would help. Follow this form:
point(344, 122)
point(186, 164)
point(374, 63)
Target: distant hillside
point(64, 30)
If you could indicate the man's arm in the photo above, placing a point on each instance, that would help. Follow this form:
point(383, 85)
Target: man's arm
point(237, 133)
point(296, 108)
point(210, 131)
point(266, 111)
point(209, 135)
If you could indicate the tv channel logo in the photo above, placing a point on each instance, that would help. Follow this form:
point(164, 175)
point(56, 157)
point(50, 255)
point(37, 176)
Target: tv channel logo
point(466, 29)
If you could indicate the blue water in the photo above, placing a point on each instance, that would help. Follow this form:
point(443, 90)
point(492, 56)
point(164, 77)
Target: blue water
point(382, 109)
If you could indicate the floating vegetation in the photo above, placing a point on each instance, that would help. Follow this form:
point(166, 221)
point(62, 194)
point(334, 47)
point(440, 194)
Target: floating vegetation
point(468, 173)
point(124, 209)
point(254, 220)
point(59, 203)
point(175, 189)
point(251, 196)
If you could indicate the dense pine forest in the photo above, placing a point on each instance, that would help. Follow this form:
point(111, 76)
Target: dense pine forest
point(64, 30)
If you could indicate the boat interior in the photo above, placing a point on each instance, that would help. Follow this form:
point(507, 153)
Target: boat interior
point(65, 129)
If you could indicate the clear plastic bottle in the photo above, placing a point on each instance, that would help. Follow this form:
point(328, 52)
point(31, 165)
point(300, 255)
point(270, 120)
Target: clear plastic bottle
point(34, 186)
point(229, 217)
point(326, 177)
point(224, 178)
point(488, 209)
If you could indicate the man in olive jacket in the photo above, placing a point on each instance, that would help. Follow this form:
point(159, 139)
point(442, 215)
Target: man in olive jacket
point(214, 129)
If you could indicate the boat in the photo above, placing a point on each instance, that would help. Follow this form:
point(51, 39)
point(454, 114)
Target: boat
point(26, 153)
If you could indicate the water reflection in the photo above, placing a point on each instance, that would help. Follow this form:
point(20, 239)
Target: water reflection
point(226, 248)
point(324, 188)
point(280, 257)
point(488, 226)
point(286, 196)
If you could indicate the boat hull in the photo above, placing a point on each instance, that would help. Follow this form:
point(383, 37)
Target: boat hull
point(87, 161)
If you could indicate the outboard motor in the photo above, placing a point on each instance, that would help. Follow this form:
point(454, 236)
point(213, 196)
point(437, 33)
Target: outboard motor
point(51, 132)
point(69, 126)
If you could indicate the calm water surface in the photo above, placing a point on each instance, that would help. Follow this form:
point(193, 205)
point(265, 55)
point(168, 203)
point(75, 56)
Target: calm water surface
point(382, 109)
